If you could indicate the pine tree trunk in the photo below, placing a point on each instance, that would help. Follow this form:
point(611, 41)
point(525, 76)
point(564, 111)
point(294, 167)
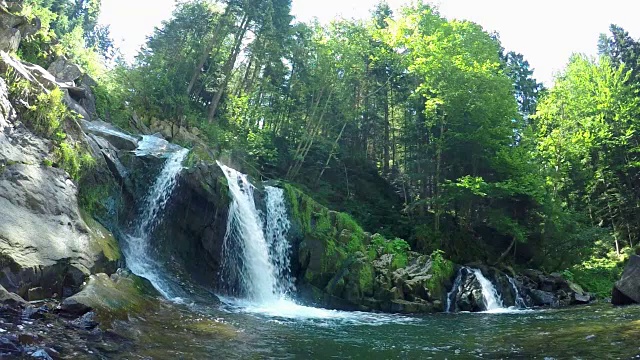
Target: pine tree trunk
point(244, 26)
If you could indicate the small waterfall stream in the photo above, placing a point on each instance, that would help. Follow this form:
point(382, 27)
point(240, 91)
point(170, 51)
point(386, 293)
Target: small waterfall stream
point(137, 248)
point(492, 299)
point(490, 295)
point(519, 300)
point(276, 228)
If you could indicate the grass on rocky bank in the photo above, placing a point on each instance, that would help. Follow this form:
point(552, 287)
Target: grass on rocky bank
point(45, 113)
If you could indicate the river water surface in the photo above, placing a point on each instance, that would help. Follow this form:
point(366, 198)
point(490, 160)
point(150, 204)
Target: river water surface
point(240, 331)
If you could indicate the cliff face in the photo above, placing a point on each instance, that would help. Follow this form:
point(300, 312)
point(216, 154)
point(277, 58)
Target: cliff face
point(46, 246)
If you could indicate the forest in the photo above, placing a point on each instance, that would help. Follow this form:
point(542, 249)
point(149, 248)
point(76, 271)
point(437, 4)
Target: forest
point(420, 127)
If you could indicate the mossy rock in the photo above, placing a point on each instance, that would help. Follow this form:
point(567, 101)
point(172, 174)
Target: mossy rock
point(102, 239)
point(113, 298)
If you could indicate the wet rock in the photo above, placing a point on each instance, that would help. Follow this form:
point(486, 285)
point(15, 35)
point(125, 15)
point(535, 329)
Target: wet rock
point(41, 354)
point(44, 242)
point(28, 339)
point(620, 299)
point(544, 298)
point(33, 312)
point(627, 289)
point(110, 298)
point(10, 298)
point(37, 293)
point(72, 306)
point(10, 346)
point(582, 298)
point(87, 321)
point(199, 207)
point(116, 137)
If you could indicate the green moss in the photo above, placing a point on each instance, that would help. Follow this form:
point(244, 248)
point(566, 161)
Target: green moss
point(344, 221)
point(366, 278)
point(399, 261)
point(94, 199)
point(44, 113)
point(598, 274)
point(117, 300)
point(73, 159)
point(102, 238)
point(441, 270)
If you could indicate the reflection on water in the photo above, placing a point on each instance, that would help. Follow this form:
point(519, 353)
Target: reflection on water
point(290, 331)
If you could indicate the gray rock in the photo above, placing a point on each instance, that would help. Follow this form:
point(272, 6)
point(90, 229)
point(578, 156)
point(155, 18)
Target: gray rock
point(544, 298)
point(10, 39)
point(9, 298)
point(627, 289)
point(43, 239)
point(64, 70)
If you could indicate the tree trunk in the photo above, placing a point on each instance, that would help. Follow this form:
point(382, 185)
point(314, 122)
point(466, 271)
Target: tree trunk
point(228, 66)
point(208, 49)
point(386, 155)
point(333, 148)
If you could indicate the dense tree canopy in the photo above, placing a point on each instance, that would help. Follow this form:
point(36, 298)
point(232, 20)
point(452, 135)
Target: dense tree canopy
point(419, 126)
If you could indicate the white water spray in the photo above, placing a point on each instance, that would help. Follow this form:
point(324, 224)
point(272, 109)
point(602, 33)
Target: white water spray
point(246, 262)
point(277, 226)
point(492, 300)
point(451, 296)
point(519, 301)
point(137, 250)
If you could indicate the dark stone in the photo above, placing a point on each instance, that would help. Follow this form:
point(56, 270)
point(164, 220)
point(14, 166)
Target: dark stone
point(72, 307)
point(629, 283)
point(620, 299)
point(86, 322)
point(10, 346)
point(581, 298)
point(544, 298)
point(10, 298)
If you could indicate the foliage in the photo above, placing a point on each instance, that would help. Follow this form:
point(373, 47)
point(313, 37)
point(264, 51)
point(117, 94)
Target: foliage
point(442, 270)
point(73, 159)
point(598, 274)
point(45, 113)
point(412, 124)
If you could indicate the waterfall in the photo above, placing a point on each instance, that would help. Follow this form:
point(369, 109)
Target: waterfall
point(519, 301)
point(490, 295)
point(137, 249)
point(451, 296)
point(246, 264)
point(492, 300)
point(277, 226)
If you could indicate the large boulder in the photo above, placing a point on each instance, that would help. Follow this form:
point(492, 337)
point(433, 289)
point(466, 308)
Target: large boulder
point(44, 241)
point(552, 289)
point(114, 297)
point(627, 290)
point(64, 70)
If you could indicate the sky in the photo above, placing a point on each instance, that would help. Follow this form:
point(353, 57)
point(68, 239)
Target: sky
point(546, 32)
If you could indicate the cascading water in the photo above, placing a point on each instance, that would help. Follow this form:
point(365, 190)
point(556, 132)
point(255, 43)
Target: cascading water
point(519, 301)
point(277, 226)
point(451, 296)
point(246, 266)
point(492, 300)
point(137, 248)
